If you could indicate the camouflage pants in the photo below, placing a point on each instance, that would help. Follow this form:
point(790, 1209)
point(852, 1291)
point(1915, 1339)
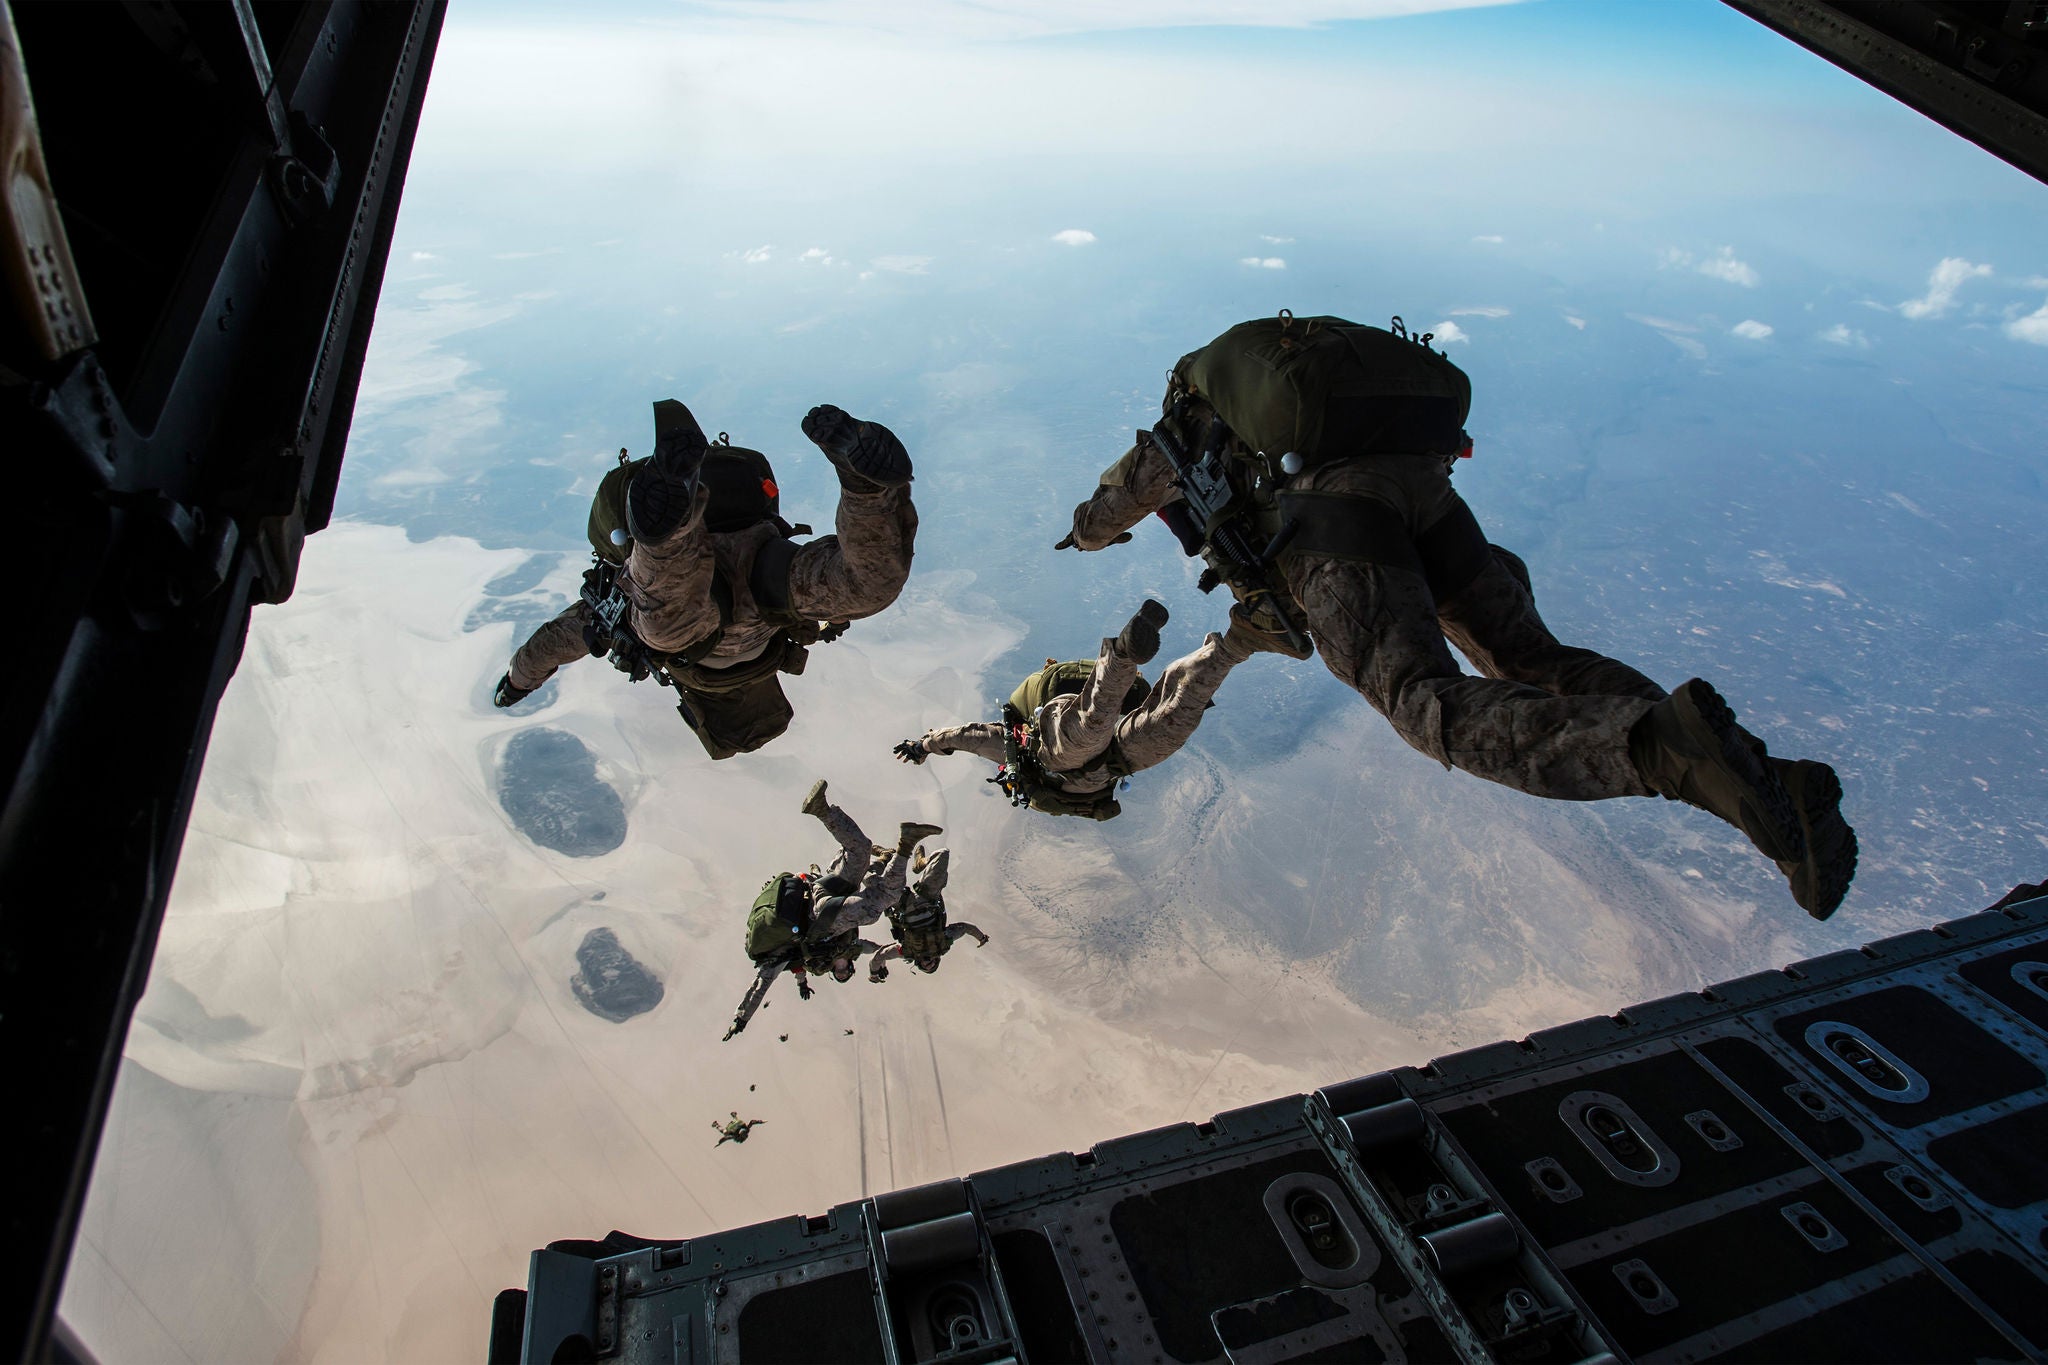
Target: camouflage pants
point(856, 850)
point(558, 642)
point(931, 881)
point(1545, 718)
point(855, 572)
point(876, 888)
point(1077, 728)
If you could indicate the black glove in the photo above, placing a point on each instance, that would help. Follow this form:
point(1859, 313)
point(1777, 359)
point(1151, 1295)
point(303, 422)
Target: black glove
point(878, 974)
point(1067, 542)
point(912, 751)
point(803, 989)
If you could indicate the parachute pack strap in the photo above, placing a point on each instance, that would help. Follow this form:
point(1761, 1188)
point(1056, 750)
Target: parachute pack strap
point(1453, 551)
point(1448, 556)
point(768, 577)
point(1349, 527)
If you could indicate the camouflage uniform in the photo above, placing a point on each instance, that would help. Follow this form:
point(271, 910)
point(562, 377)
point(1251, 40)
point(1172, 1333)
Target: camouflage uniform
point(1075, 729)
point(877, 886)
point(1546, 718)
point(855, 573)
point(929, 887)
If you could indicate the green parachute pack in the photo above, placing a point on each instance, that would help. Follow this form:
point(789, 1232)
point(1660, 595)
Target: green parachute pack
point(1024, 779)
point(1325, 388)
point(779, 918)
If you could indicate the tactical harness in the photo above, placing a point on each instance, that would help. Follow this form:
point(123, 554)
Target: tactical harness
point(919, 924)
point(730, 710)
point(1316, 390)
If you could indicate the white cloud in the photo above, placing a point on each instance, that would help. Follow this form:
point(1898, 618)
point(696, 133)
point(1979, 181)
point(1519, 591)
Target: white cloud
point(757, 255)
point(425, 256)
point(1073, 237)
point(1490, 239)
point(2032, 328)
point(1447, 332)
point(1842, 334)
point(818, 254)
point(1575, 321)
point(524, 255)
point(2036, 282)
point(1263, 262)
point(1661, 324)
point(1950, 275)
point(1276, 241)
point(1493, 311)
point(902, 265)
point(1722, 265)
point(1750, 329)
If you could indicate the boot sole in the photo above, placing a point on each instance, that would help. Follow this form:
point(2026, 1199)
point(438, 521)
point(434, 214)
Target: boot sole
point(1773, 804)
point(814, 800)
point(1821, 879)
point(656, 506)
point(854, 446)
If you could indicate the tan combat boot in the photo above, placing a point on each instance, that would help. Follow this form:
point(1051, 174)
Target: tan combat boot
point(1821, 878)
point(1689, 748)
point(912, 834)
point(814, 800)
point(1139, 640)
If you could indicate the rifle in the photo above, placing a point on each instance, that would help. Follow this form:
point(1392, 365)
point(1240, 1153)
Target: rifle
point(610, 635)
point(751, 1002)
point(1219, 526)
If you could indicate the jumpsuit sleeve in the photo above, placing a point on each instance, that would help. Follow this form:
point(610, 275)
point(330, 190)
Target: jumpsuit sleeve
point(1130, 490)
point(982, 738)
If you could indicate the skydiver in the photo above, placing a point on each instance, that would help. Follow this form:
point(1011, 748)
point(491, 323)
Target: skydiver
point(735, 1129)
point(800, 920)
point(859, 887)
point(918, 922)
point(698, 566)
point(1072, 731)
point(1341, 440)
